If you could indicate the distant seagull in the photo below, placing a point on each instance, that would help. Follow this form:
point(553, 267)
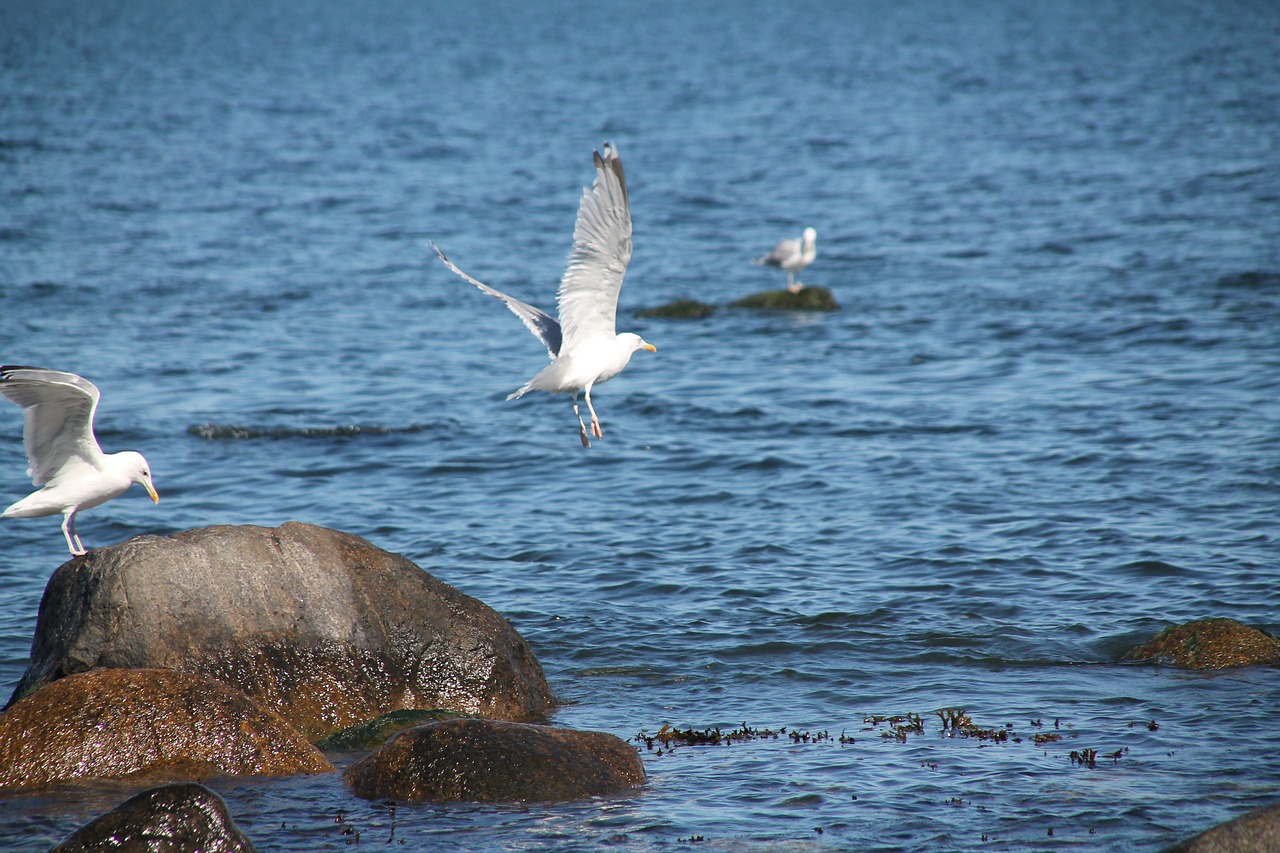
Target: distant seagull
point(793, 256)
point(584, 345)
point(64, 456)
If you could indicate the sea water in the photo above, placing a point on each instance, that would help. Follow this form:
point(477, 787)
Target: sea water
point(1044, 425)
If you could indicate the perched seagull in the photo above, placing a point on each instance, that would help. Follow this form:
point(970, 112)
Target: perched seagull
point(64, 456)
point(584, 345)
point(793, 256)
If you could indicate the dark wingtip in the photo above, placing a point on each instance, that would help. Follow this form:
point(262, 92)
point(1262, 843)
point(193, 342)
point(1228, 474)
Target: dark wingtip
point(6, 369)
point(614, 164)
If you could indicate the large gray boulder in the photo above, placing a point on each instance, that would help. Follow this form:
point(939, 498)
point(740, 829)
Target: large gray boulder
point(487, 761)
point(320, 626)
point(171, 818)
point(155, 725)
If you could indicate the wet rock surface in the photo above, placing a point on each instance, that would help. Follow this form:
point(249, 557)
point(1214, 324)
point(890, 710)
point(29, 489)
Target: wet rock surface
point(320, 626)
point(1209, 644)
point(486, 761)
point(1257, 831)
point(151, 724)
point(170, 818)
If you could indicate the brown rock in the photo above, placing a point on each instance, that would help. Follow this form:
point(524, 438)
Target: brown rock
point(171, 818)
point(1209, 644)
point(486, 761)
point(152, 724)
point(1256, 831)
point(319, 625)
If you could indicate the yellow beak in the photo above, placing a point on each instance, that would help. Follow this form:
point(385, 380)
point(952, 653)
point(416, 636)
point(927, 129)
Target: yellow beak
point(155, 499)
point(650, 347)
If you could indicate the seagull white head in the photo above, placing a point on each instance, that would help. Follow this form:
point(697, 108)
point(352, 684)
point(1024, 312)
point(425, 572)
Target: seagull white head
point(810, 237)
point(636, 342)
point(135, 465)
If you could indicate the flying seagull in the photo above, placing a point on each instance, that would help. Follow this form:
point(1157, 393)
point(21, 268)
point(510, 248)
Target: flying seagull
point(793, 256)
point(584, 345)
point(63, 454)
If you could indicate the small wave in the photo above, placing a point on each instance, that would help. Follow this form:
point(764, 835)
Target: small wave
point(235, 432)
point(1052, 247)
point(704, 201)
point(841, 621)
point(1152, 569)
point(767, 463)
point(916, 429)
point(1251, 280)
point(802, 801)
point(11, 144)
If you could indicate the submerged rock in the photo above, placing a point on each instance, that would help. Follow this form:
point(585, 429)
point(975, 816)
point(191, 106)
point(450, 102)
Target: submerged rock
point(146, 723)
point(1209, 644)
point(318, 625)
point(375, 733)
point(1256, 831)
point(487, 761)
point(810, 298)
point(681, 309)
point(171, 818)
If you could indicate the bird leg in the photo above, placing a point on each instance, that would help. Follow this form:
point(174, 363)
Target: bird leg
point(595, 421)
point(582, 428)
point(76, 548)
point(791, 282)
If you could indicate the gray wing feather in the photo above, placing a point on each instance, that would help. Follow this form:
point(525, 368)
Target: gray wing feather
point(783, 252)
point(588, 294)
point(535, 320)
point(57, 417)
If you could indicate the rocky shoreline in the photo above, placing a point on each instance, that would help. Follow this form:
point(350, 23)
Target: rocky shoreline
point(251, 651)
point(232, 651)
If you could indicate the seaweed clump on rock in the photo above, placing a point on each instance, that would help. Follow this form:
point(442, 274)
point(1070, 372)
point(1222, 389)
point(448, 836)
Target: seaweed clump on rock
point(681, 309)
point(1209, 644)
point(809, 298)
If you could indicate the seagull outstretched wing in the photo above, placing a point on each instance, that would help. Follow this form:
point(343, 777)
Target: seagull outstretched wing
point(588, 294)
point(535, 320)
point(57, 418)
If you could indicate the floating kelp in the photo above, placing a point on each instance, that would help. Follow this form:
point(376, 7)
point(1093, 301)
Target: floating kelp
point(954, 722)
point(668, 738)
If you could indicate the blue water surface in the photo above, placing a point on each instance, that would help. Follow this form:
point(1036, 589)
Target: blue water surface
point(1044, 425)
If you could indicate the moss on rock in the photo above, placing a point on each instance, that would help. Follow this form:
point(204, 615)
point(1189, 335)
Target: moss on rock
point(1209, 644)
point(810, 298)
point(681, 309)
